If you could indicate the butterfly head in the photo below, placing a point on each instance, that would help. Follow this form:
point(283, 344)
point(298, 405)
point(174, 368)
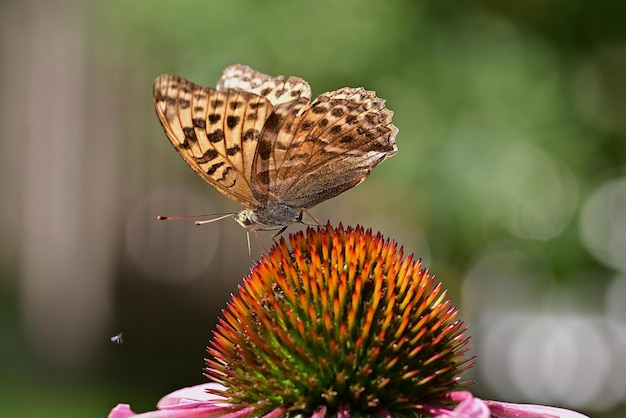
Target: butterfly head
point(246, 218)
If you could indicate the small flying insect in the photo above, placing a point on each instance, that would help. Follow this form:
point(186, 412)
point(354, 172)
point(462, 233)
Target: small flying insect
point(117, 338)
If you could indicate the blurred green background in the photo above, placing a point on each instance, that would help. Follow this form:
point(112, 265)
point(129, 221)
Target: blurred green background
point(510, 183)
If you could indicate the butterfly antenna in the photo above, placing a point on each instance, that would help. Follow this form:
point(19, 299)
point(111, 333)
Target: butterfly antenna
point(178, 218)
point(219, 218)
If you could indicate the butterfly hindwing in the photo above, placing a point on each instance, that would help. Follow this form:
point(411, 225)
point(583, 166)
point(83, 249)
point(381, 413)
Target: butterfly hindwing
point(274, 89)
point(316, 152)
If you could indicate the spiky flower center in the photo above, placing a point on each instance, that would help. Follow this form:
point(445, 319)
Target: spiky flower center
point(338, 318)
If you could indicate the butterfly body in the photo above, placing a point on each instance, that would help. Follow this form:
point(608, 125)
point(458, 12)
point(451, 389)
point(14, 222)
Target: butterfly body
point(260, 142)
point(268, 218)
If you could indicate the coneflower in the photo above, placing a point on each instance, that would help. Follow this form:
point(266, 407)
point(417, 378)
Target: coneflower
point(339, 323)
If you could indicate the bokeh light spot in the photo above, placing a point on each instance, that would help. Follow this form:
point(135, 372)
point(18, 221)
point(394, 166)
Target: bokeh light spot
point(537, 195)
point(555, 358)
point(603, 223)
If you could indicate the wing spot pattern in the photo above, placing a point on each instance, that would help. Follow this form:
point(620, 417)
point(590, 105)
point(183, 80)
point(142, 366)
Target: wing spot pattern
point(264, 177)
point(272, 123)
point(264, 149)
point(282, 145)
point(198, 123)
point(234, 105)
point(214, 168)
point(337, 112)
point(302, 156)
point(250, 135)
point(224, 174)
point(306, 125)
point(232, 121)
point(233, 150)
point(209, 155)
point(216, 136)
point(190, 134)
point(319, 110)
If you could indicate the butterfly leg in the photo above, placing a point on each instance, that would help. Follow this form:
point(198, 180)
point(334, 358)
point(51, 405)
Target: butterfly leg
point(276, 235)
point(303, 210)
point(256, 234)
point(249, 247)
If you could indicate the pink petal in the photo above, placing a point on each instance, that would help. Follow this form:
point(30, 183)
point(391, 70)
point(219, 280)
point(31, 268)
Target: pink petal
point(512, 410)
point(467, 407)
point(178, 411)
point(191, 402)
point(470, 407)
point(190, 394)
point(122, 410)
point(198, 410)
point(275, 413)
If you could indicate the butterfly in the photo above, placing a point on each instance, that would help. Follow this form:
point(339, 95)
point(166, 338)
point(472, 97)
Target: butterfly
point(260, 142)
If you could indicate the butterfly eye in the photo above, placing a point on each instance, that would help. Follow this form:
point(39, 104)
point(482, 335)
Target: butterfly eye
point(245, 218)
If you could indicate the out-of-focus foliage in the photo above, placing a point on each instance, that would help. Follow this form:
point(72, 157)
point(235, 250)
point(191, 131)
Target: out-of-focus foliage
point(509, 180)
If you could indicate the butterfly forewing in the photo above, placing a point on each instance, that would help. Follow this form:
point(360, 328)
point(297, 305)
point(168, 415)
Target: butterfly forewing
point(216, 132)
